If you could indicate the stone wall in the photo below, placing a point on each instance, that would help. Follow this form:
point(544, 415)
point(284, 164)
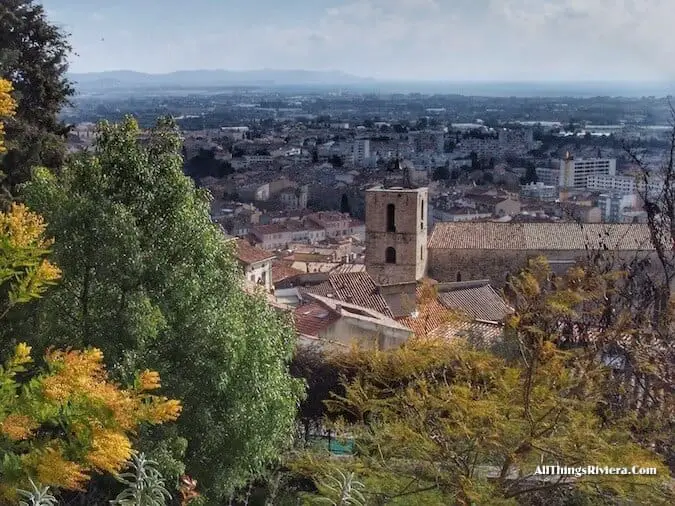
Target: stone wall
point(446, 265)
point(409, 240)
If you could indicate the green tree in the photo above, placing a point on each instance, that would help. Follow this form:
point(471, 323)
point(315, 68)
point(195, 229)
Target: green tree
point(149, 279)
point(33, 57)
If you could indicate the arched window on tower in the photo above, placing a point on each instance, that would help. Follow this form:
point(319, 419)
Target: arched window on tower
point(390, 255)
point(391, 218)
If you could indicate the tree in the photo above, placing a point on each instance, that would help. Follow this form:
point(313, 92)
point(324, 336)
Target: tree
point(336, 161)
point(440, 422)
point(530, 174)
point(33, 57)
point(62, 422)
point(344, 204)
point(150, 280)
point(7, 109)
point(441, 173)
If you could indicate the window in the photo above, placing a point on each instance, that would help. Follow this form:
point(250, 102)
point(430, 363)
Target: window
point(421, 252)
point(391, 218)
point(422, 215)
point(390, 255)
point(459, 276)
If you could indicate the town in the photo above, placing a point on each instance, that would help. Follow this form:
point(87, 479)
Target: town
point(233, 275)
point(339, 220)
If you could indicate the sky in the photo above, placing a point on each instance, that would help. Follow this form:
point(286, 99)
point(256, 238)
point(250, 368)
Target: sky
point(413, 40)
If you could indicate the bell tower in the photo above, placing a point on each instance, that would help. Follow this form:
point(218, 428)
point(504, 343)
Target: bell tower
point(396, 229)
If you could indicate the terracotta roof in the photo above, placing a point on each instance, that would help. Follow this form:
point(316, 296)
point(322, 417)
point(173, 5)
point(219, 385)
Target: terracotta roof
point(454, 329)
point(539, 236)
point(313, 318)
point(355, 288)
point(346, 268)
point(281, 271)
point(249, 254)
point(429, 317)
point(479, 303)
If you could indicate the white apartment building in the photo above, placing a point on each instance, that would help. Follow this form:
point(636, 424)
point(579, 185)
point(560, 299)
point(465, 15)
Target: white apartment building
point(624, 185)
point(574, 173)
point(361, 151)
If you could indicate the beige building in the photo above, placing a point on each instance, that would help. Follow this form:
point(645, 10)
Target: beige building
point(396, 234)
point(257, 264)
point(331, 323)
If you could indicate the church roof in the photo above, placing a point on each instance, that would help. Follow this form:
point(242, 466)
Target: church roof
point(539, 236)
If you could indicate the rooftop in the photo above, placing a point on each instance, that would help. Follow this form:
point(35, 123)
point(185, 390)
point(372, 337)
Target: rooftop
point(540, 236)
point(248, 254)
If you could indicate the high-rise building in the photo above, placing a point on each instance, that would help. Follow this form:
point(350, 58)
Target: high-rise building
point(361, 151)
point(574, 172)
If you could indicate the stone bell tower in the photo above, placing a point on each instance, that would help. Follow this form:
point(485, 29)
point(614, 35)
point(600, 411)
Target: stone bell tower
point(396, 229)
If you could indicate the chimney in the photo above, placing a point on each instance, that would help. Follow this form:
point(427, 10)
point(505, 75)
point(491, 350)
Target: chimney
point(338, 308)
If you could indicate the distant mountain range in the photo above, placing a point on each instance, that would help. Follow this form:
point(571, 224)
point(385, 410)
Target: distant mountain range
point(209, 78)
point(125, 82)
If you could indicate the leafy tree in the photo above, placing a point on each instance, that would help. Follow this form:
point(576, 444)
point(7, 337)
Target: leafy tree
point(336, 161)
point(439, 422)
point(33, 57)
point(150, 280)
point(530, 174)
point(62, 422)
point(7, 109)
point(344, 204)
point(441, 173)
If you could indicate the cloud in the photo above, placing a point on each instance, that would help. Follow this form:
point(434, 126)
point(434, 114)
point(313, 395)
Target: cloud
point(426, 39)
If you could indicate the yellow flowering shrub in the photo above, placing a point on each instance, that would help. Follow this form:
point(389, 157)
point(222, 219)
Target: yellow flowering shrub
point(61, 423)
point(7, 108)
point(87, 419)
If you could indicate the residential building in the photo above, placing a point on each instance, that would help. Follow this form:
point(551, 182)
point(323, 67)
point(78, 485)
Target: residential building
point(574, 173)
point(277, 236)
point(539, 191)
point(257, 264)
point(361, 152)
point(335, 224)
point(624, 185)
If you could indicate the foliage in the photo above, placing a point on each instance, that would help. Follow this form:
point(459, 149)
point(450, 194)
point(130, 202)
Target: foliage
point(37, 496)
point(33, 56)
point(25, 273)
point(150, 280)
point(60, 423)
point(7, 108)
point(340, 490)
point(442, 423)
point(145, 485)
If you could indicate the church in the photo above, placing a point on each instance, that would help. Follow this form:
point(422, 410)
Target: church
point(467, 263)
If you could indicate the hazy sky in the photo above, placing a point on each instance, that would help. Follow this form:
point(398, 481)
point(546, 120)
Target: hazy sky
point(401, 39)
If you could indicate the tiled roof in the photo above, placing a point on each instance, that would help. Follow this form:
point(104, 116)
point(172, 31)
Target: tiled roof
point(249, 254)
point(312, 318)
point(429, 317)
point(346, 268)
point(355, 288)
point(454, 329)
point(281, 271)
point(479, 303)
point(539, 236)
